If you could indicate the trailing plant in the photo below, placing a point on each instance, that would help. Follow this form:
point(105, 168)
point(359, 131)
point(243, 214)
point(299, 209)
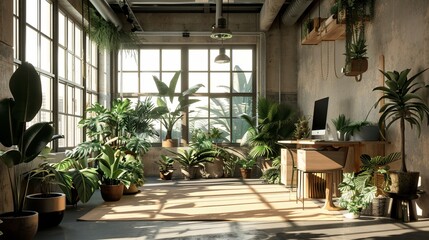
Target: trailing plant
point(106, 35)
point(402, 104)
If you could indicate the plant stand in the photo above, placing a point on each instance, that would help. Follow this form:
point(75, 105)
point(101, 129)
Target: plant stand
point(403, 207)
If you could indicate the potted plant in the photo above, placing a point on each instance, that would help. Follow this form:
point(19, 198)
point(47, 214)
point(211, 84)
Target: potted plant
point(377, 167)
point(357, 193)
point(79, 177)
point(49, 204)
point(302, 128)
point(275, 122)
point(402, 105)
point(134, 173)
point(244, 160)
point(165, 164)
point(112, 175)
point(25, 145)
point(170, 111)
point(192, 159)
point(341, 123)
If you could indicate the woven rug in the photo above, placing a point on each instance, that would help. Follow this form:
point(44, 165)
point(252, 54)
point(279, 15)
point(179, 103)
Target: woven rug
point(211, 199)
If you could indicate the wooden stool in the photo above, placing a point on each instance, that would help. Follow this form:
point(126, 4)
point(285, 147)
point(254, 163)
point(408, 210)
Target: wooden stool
point(403, 207)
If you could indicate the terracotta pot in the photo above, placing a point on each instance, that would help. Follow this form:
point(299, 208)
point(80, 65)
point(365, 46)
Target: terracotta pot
point(133, 189)
point(170, 143)
point(356, 67)
point(50, 207)
point(404, 183)
point(111, 193)
point(246, 173)
point(21, 227)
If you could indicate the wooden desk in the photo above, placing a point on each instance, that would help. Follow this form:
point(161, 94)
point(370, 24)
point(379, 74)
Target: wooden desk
point(357, 152)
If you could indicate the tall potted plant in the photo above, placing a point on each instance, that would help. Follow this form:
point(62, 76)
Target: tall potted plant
point(402, 105)
point(170, 111)
point(25, 143)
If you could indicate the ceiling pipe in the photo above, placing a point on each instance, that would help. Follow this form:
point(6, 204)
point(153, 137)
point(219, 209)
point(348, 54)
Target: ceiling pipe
point(269, 11)
point(294, 11)
point(106, 12)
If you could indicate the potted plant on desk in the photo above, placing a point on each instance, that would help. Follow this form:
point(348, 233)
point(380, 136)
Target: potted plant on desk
point(341, 123)
point(404, 106)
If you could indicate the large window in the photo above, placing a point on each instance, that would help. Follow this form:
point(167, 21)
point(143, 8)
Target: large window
point(228, 92)
point(67, 77)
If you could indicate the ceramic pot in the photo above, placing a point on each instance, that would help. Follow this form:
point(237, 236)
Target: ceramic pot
point(24, 226)
point(133, 189)
point(50, 207)
point(111, 193)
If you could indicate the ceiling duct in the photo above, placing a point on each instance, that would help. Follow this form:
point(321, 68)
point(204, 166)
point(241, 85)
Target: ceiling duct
point(294, 11)
point(220, 30)
point(106, 12)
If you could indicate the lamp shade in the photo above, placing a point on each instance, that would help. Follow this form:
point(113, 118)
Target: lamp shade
point(222, 57)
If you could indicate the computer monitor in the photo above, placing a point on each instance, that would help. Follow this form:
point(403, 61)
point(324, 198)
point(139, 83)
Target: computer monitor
point(320, 114)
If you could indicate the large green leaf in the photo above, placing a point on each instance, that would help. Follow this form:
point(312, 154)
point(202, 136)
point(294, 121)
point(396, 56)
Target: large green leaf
point(8, 135)
point(36, 138)
point(26, 90)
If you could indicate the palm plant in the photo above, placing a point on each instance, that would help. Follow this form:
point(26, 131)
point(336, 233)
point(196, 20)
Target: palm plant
point(169, 112)
point(275, 122)
point(403, 104)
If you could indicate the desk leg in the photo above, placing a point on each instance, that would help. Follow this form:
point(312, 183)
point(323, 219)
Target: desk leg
point(329, 205)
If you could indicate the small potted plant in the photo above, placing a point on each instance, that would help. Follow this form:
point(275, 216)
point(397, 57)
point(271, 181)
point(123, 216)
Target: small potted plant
point(357, 193)
point(341, 123)
point(165, 164)
point(134, 173)
point(112, 175)
point(192, 159)
point(402, 106)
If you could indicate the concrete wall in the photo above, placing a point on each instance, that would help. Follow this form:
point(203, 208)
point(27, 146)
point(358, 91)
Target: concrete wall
point(397, 39)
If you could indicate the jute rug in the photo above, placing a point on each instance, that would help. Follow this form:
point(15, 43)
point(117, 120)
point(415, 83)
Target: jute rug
point(216, 199)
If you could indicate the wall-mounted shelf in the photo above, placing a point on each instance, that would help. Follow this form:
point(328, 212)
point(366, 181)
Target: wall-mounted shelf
point(331, 30)
point(312, 38)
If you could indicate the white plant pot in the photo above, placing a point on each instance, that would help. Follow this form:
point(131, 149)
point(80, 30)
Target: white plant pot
point(351, 215)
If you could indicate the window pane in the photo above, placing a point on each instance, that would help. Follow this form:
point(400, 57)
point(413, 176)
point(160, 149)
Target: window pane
point(32, 12)
point(46, 18)
point(61, 63)
point(61, 29)
point(70, 35)
point(78, 102)
point(78, 71)
point(15, 38)
point(46, 53)
point(61, 130)
point(220, 82)
point(239, 127)
point(242, 82)
point(147, 84)
point(47, 92)
point(69, 100)
point(241, 105)
point(200, 108)
point(129, 82)
point(171, 60)
point(129, 60)
point(61, 98)
point(70, 65)
point(149, 59)
point(78, 132)
point(242, 58)
point(94, 78)
point(30, 50)
point(70, 131)
point(198, 60)
point(219, 107)
point(78, 42)
point(199, 78)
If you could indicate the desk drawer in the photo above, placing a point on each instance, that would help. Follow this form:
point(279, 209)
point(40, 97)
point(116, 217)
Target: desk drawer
point(315, 160)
